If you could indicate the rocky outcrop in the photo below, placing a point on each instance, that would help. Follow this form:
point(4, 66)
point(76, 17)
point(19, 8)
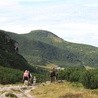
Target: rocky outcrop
point(16, 91)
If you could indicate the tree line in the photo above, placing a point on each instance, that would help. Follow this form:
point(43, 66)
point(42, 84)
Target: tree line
point(12, 76)
point(89, 78)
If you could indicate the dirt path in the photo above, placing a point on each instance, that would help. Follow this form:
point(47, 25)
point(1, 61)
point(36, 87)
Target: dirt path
point(16, 91)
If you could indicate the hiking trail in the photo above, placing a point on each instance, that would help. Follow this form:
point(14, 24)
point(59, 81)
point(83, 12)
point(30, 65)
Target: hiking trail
point(16, 91)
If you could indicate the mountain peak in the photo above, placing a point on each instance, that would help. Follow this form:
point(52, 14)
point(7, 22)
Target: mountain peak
point(45, 35)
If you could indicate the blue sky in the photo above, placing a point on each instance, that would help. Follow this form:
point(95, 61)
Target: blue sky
point(73, 20)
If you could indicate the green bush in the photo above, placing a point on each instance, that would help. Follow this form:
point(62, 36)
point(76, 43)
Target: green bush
point(90, 79)
point(72, 74)
point(10, 76)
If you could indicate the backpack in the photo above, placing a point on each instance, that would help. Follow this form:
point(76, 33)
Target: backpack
point(53, 73)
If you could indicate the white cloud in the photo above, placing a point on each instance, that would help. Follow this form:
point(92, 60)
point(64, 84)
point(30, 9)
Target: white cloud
point(6, 3)
point(3, 19)
point(11, 2)
point(72, 21)
point(82, 26)
point(91, 5)
point(32, 0)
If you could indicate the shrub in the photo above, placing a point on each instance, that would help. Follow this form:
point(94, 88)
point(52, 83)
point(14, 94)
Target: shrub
point(90, 79)
point(8, 75)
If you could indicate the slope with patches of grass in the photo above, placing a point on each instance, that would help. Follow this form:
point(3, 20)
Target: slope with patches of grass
point(64, 90)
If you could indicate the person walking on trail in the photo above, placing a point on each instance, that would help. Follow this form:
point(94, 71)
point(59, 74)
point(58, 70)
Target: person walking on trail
point(30, 77)
point(26, 77)
point(53, 75)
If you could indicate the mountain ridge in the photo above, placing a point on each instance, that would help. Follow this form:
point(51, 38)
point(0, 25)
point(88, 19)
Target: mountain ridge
point(42, 47)
point(9, 55)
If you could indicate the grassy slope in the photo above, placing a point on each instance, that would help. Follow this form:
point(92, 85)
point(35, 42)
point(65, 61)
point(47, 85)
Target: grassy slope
point(11, 60)
point(8, 56)
point(64, 90)
point(40, 47)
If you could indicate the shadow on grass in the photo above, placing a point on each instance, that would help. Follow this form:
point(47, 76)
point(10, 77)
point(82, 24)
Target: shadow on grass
point(71, 95)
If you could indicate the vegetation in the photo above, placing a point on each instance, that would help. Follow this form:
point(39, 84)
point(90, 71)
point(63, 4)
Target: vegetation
point(63, 90)
point(89, 78)
point(44, 48)
point(10, 76)
point(9, 57)
point(72, 74)
point(41, 47)
point(12, 64)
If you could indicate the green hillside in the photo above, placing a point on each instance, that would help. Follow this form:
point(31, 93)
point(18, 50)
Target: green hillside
point(12, 64)
point(41, 47)
point(9, 57)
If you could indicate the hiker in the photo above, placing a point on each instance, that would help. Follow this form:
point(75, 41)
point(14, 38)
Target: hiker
point(30, 77)
point(26, 77)
point(53, 75)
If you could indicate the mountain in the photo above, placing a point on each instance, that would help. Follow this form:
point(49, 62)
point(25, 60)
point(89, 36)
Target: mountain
point(12, 64)
point(41, 47)
point(9, 56)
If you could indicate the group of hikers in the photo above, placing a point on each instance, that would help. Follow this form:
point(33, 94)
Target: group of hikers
point(28, 79)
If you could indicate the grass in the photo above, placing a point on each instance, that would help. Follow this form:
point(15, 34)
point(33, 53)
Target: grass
point(63, 90)
point(88, 67)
